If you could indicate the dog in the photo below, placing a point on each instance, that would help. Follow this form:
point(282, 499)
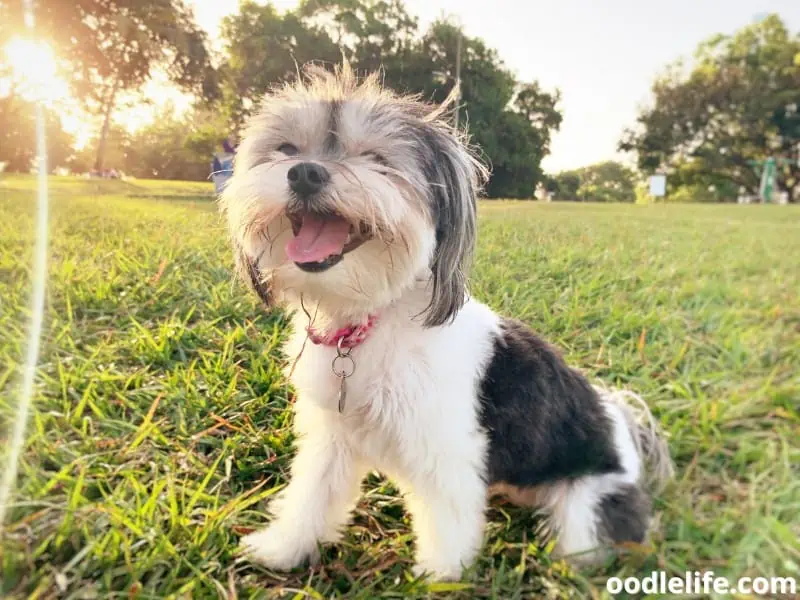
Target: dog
point(355, 208)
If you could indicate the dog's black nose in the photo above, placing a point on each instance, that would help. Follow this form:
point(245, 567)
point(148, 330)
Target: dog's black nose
point(307, 178)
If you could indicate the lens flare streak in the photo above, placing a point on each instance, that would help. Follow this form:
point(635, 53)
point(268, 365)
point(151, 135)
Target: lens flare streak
point(17, 437)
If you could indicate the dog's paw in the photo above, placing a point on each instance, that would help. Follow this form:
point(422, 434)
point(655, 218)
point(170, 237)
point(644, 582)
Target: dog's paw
point(278, 549)
point(437, 572)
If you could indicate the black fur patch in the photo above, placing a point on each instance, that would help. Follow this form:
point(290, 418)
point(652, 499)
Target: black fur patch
point(623, 516)
point(543, 419)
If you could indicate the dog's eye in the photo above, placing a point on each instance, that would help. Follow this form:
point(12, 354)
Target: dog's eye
point(288, 149)
point(378, 158)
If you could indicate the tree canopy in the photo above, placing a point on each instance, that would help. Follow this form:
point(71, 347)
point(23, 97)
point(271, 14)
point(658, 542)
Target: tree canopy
point(738, 104)
point(18, 135)
point(174, 146)
point(607, 181)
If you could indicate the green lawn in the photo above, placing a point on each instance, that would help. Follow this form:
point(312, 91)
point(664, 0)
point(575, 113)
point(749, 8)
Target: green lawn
point(161, 425)
point(133, 188)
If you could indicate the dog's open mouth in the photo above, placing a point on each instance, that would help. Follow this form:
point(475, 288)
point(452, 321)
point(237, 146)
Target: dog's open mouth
point(320, 240)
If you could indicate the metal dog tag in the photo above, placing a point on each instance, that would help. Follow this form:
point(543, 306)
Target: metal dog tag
point(343, 366)
point(342, 393)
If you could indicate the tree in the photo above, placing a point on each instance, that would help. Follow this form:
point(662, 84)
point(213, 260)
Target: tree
point(109, 47)
point(373, 34)
point(565, 185)
point(264, 47)
point(607, 181)
point(172, 146)
point(523, 140)
point(487, 91)
point(177, 147)
point(540, 108)
point(117, 148)
point(737, 105)
point(18, 135)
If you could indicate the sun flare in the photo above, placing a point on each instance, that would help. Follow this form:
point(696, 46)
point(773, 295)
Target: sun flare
point(34, 70)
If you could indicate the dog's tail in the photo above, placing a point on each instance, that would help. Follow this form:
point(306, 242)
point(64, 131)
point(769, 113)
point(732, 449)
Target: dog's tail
point(649, 439)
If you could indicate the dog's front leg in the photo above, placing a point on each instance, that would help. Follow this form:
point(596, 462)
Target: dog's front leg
point(324, 484)
point(448, 510)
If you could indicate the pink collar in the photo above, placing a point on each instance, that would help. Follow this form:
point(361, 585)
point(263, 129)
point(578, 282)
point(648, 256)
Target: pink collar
point(346, 337)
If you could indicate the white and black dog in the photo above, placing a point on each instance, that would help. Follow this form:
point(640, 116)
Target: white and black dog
point(356, 208)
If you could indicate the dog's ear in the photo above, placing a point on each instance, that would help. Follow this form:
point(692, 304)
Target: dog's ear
point(454, 177)
point(248, 271)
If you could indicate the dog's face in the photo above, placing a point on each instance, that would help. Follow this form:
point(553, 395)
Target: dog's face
point(349, 195)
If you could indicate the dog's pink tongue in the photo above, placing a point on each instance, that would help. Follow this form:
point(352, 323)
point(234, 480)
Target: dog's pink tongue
point(318, 239)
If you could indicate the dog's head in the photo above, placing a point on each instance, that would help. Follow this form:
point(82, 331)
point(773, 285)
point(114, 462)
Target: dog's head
point(349, 195)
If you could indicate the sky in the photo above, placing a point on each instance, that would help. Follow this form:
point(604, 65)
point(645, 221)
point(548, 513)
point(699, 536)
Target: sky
point(603, 55)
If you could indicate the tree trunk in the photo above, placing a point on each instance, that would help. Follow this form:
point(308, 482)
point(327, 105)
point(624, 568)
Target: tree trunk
point(101, 146)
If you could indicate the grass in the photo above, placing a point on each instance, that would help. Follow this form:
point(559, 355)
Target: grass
point(161, 425)
point(131, 188)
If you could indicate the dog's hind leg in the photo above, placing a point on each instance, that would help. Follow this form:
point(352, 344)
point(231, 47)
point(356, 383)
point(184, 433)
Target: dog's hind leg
point(592, 513)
